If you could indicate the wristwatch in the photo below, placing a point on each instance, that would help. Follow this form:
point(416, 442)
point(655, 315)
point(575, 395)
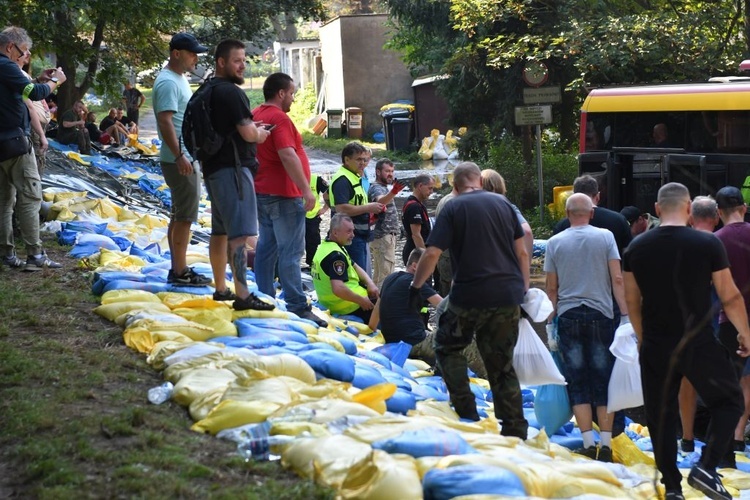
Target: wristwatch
point(54, 79)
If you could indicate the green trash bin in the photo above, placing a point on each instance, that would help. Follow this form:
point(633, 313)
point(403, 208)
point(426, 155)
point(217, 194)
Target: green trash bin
point(334, 123)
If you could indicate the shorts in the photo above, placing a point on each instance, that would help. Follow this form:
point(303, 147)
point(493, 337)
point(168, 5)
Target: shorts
point(185, 191)
point(230, 215)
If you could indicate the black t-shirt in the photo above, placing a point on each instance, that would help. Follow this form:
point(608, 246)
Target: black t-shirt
point(397, 320)
point(480, 228)
point(229, 107)
point(414, 212)
point(672, 266)
point(605, 218)
point(94, 133)
point(335, 266)
point(106, 123)
point(125, 120)
point(321, 185)
point(343, 191)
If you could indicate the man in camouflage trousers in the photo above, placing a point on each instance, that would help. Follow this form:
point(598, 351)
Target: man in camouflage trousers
point(490, 279)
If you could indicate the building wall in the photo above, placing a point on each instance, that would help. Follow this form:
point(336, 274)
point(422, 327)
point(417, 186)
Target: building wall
point(359, 71)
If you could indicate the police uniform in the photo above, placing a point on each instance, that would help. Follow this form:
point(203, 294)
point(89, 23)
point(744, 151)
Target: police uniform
point(332, 262)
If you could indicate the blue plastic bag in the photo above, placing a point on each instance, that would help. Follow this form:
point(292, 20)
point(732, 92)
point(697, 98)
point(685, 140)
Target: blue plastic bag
point(465, 480)
point(551, 404)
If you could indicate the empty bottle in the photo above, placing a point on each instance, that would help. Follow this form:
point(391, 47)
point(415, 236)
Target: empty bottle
point(296, 414)
point(260, 446)
point(161, 393)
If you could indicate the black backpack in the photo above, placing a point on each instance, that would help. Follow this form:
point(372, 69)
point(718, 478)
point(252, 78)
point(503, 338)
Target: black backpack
point(198, 134)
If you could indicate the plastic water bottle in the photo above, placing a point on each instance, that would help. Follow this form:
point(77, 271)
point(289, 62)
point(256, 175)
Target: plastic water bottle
point(339, 425)
point(161, 393)
point(260, 446)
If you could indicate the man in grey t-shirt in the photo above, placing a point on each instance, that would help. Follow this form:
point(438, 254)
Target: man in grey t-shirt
point(583, 271)
point(387, 225)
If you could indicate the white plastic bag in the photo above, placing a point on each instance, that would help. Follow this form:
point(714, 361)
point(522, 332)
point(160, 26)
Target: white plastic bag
point(537, 305)
point(531, 359)
point(625, 389)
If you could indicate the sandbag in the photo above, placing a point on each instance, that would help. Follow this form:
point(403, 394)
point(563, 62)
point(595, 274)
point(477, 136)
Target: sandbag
point(195, 331)
point(281, 324)
point(228, 414)
point(383, 477)
point(531, 359)
point(551, 403)
point(112, 310)
point(331, 364)
point(129, 296)
point(278, 365)
point(396, 352)
point(327, 460)
point(374, 396)
point(275, 390)
point(199, 381)
point(220, 319)
point(366, 376)
point(460, 480)
point(625, 389)
point(426, 442)
point(401, 402)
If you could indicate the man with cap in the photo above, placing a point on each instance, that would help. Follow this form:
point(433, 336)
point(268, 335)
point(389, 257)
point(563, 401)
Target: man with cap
point(736, 238)
point(638, 220)
point(171, 94)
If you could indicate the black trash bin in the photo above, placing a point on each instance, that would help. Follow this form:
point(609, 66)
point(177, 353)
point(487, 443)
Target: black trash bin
point(403, 133)
point(389, 115)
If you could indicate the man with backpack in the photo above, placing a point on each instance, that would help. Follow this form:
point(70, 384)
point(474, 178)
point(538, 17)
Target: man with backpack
point(171, 94)
point(220, 130)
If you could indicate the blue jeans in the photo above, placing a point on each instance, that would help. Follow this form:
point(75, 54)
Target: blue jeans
point(358, 251)
point(585, 337)
point(281, 240)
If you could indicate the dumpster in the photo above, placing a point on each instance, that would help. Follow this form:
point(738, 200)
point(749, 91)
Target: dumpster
point(405, 129)
point(334, 123)
point(354, 122)
point(402, 131)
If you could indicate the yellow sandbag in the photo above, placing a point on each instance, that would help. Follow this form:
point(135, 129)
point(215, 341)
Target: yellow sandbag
point(112, 310)
point(277, 365)
point(326, 460)
point(199, 381)
point(130, 318)
point(77, 157)
point(127, 215)
point(202, 405)
point(382, 476)
point(624, 451)
point(220, 319)
point(195, 331)
point(328, 388)
point(65, 195)
point(252, 313)
point(228, 414)
point(297, 428)
point(214, 360)
point(450, 143)
point(181, 300)
point(328, 410)
point(426, 149)
point(735, 478)
point(119, 258)
point(142, 340)
point(374, 396)
point(61, 214)
point(152, 222)
point(326, 340)
point(273, 390)
point(431, 407)
point(163, 350)
point(128, 296)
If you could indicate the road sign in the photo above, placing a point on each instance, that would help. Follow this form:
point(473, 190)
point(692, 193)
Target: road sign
point(542, 95)
point(533, 115)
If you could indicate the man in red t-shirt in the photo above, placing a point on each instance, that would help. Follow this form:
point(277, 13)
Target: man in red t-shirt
point(282, 187)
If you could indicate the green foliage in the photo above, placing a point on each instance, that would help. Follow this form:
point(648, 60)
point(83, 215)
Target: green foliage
point(304, 106)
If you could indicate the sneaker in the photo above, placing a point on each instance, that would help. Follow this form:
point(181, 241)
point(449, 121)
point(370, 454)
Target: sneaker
point(687, 445)
point(188, 278)
point(589, 452)
point(252, 302)
point(605, 454)
point(307, 314)
point(224, 295)
point(707, 482)
point(43, 262)
point(12, 261)
point(674, 495)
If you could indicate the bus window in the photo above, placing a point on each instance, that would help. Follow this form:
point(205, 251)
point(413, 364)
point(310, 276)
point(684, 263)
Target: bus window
point(733, 131)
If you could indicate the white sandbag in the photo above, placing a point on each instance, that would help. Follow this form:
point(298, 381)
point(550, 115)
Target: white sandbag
point(625, 344)
point(531, 359)
point(625, 390)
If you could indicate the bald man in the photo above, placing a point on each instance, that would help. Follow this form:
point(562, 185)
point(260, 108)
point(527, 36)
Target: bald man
point(583, 272)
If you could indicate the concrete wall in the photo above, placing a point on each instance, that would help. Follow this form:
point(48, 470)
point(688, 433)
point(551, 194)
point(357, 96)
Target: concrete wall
point(359, 71)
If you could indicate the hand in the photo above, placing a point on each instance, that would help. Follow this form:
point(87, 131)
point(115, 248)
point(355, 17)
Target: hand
point(375, 208)
point(366, 304)
point(44, 145)
point(308, 198)
point(58, 73)
point(397, 186)
point(262, 135)
point(744, 345)
point(372, 291)
point(184, 166)
point(415, 299)
point(624, 319)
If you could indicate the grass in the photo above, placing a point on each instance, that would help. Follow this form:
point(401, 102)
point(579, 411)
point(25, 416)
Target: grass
point(76, 422)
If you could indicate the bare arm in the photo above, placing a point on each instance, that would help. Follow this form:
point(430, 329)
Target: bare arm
point(169, 137)
point(250, 133)
point(633, 300)
point(375, 317)
point(426, 266)
point(618, 286)
point(528, 239)
point(294, 170)
point(435, 300)
point(36, 125)
point(734, 307)
point(523, 261)
point(354, 210)
point(416, 235)
point(372, 288)
point(551, 286)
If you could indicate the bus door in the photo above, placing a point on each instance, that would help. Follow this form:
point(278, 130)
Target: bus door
point(641, 174)
point(690, 171)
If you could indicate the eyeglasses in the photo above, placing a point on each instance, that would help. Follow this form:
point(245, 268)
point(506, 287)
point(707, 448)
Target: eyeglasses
point(362, 160)
point(22, 52)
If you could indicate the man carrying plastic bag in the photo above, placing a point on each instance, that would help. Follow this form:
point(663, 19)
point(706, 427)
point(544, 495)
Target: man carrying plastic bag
point(583, 271)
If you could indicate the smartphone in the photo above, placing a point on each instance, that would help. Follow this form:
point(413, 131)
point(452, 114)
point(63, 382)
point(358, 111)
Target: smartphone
point(269, 127)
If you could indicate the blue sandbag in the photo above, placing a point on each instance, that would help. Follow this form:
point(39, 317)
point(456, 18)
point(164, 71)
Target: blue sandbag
point(257, 341)
point(271, 351)
point(67, 238)
point(395, 378)
point(401, 371)
point(528, 414)
point(87, 227)
point(427, 442)
point(351, 317)
point(527, 396)
point(436, 382)
point(145, 255)
point(375, 356)
point(245, 329)
point(321, 345)
point(478, 391)
point(422, 392)
point(136, 285)
point(401, 402)
point(275, 323)
point(366, 376)
point(102, 279)
point(290, 336)
point(466, 480)
point(195, 290)
point(569, 441)
point(397, 352)
point(551, 405)
point(331, 364)
point(80, 251)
